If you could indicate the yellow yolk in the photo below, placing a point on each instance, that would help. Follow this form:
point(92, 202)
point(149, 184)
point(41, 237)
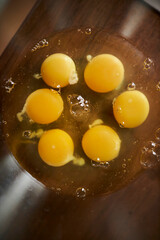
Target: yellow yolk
point(56, 147)
point(44, 106)
point(131, 108)
point(101, 143)
point(58, 70)
point(104, 73)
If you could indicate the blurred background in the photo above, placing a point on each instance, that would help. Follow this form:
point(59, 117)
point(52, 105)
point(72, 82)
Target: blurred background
point(12, 14)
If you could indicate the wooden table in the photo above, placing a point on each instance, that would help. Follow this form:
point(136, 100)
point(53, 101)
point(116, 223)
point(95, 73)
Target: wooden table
point(132, 213)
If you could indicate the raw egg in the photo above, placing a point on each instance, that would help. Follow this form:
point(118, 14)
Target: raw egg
point(104, 73)
point(101, 143)
point(44, 106)
point(131, 108)
point(58, 70)
point(56, 147)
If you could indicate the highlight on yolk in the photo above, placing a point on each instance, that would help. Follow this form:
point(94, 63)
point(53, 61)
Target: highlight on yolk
point(58, 70)
point(56, 147)
point(101, 143)
point(131, 108)
point(44, 106)
point(104, 73)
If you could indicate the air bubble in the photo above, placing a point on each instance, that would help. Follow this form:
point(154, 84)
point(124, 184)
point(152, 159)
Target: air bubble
point(105, 164)
point(27, 134)
point(157, 150)
point(9, 85)
point(158, 86)
point(41, 44)
point(88, 31)
point(149, 159)
point(81, 192)
point(35, 134)
point(157, 134)
point(121, 125)
point(100, 164)
point(79, 107)
point(131, 86)
point(93, 163)
point(149, 145)
point(148, 62)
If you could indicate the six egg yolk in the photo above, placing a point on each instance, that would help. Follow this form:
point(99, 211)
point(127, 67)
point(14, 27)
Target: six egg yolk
point(101, 143)
point(104, 73)
point(57, 70)
point(131, 108)
point(44, 106)
point(56, 147)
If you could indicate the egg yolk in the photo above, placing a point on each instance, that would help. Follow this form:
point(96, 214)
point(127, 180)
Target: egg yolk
point(131, 108)
point(104, 73)
point(56, 147)
point(44, 106)
point(101, 143)
point(58, 70)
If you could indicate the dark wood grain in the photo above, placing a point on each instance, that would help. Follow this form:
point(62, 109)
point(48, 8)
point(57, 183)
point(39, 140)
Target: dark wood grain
point(132, 213)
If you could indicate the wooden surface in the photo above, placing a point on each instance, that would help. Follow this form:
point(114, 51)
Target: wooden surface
point(12, 14)
point(132, 213)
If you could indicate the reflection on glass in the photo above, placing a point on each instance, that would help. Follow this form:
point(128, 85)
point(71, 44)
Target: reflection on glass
point(14, 196)
point(134, 18)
